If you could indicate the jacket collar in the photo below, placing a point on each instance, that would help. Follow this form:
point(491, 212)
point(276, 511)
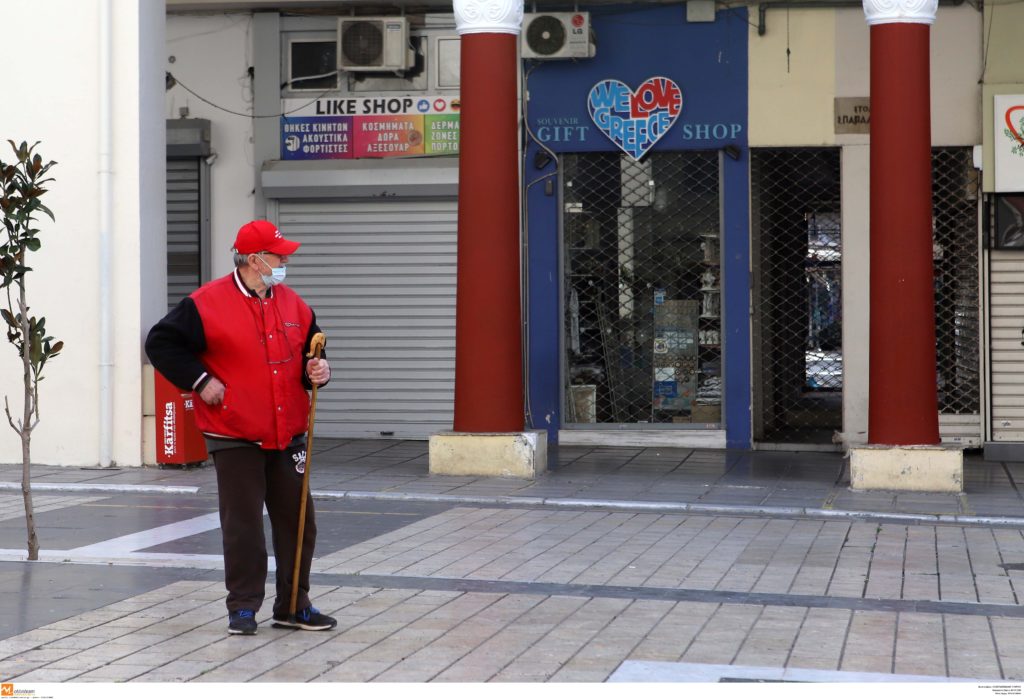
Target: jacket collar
point(243, 289)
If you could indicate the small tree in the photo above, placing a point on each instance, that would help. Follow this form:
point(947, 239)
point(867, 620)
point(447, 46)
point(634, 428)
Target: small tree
point(21, 186)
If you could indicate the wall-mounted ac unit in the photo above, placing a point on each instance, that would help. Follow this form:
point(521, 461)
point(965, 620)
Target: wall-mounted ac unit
point(378, 44)
point(555, 35)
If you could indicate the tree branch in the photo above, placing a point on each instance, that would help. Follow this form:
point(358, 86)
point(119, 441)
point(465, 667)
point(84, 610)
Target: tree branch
point(10, 420)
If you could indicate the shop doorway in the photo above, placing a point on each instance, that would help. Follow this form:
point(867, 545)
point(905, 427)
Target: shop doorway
point(796, 251)
point(380, 274)
point(642, 284)
point(955, 185)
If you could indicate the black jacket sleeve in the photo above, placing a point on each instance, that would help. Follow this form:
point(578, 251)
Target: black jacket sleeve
point(313, 330)
point(174, 344)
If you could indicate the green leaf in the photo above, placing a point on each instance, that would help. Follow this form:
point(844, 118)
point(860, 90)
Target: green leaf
point(9, 317)
point(35, 352)
point(47, 212)
point(33, 244)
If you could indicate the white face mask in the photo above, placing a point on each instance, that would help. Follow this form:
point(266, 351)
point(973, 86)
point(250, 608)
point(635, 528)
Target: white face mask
point(276, 276)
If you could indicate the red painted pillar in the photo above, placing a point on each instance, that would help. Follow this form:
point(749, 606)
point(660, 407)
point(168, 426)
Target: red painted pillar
point(903, 402)
point(488, 321)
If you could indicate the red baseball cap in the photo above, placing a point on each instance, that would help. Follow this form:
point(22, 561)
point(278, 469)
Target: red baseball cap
point(260, 236)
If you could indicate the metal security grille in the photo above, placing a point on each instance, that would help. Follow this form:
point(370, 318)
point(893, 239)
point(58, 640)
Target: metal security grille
point(642, 284)
point(955, 248)
point(797, 323)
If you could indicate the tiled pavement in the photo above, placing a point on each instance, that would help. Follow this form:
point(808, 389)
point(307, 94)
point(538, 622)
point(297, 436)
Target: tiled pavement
point(684, 479)
point(664, 479)
point(538, 587)
point(385, 634)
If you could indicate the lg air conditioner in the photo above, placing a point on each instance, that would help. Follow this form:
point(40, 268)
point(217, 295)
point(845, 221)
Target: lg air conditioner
point(374, 44)
point(556, 35)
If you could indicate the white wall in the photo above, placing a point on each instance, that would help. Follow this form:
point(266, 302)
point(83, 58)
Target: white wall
point(791, 95)
point(212, 55)
point(53, 96)
point(956, 60)
point(856, 292)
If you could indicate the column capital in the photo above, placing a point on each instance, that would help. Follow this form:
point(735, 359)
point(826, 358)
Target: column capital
point(488, 16)
point(900, 11)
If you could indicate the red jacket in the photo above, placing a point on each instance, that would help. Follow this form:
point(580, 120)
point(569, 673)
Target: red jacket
point(254, 346)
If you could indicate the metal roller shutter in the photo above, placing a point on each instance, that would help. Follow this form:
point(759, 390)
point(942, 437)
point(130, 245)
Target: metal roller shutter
point(1007, 357)
point(183, 228)
point(380, 276)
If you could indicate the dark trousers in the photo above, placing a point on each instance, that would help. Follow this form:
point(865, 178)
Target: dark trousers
point(248, 477)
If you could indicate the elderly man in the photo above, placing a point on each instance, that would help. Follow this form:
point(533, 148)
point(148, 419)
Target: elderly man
point(240, 344)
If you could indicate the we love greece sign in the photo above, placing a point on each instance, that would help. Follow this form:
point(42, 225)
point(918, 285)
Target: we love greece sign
point(635, 120)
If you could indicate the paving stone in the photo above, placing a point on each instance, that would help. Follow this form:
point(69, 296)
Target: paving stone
point(605, 651)
point(920, 645)
point(353, 671)
point(176, 671)
point(770, 641)
point(43, 655)
point(44, 675)
point(296, 670)
point(722, 635)
point(115, 672)
point(501, 650)
point(870, 642)
point(819, 642)
point(970, 647)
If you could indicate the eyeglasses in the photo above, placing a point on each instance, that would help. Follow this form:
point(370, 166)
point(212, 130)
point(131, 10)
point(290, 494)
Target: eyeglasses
point(283, 258)
point(281, 328)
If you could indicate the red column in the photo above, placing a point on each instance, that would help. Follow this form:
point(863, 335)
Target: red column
point(488, 325)
point(903, 403)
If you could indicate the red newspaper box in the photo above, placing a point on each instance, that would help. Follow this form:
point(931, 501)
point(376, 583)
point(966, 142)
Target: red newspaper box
point(178, 440)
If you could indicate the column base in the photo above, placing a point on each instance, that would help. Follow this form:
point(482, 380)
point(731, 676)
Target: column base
point(503, 454)
point(927, 468)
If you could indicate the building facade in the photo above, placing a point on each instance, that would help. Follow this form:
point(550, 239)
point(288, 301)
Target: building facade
point(694, 219)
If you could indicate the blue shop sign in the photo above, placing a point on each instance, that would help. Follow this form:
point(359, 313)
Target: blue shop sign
point(685, 87)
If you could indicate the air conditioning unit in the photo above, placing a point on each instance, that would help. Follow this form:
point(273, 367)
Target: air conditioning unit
point(377, 44)
point(557, 35)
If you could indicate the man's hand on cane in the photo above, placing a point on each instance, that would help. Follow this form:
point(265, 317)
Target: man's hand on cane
point(318, 371)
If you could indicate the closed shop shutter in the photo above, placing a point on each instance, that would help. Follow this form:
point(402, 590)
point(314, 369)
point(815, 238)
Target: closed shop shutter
point(183, 228)
point(380, 275)
point(955, 187)
point(1007, 355)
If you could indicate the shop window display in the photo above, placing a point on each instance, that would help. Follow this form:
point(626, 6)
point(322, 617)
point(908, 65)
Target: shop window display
point(642, 264)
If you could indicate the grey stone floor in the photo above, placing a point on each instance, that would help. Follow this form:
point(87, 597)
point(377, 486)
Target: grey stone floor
point(511, 594)
point(779, 481)
point(594, 572)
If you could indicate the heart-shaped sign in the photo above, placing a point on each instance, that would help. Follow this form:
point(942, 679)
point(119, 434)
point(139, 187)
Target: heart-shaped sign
point(1011, 127)
point(635, 120)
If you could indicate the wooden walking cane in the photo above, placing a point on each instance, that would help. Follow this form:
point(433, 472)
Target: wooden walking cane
point(316, 345)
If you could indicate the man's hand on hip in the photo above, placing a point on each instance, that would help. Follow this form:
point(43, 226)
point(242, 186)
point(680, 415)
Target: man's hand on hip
point(318, 371)
point(213, 392)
